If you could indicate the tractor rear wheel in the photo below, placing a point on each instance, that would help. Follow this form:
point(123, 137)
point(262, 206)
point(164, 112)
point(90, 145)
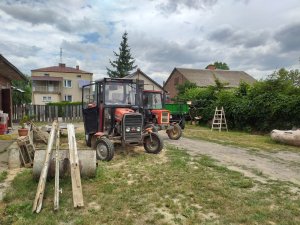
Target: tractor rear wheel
point(153, 143)
point(175, 133)
point(104, 149)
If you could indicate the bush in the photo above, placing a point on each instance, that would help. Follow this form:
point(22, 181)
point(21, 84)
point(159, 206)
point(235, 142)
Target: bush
point(269, 104)
point(61, 106)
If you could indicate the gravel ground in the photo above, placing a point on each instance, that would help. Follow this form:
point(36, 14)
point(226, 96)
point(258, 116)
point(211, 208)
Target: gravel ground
point(284, 166)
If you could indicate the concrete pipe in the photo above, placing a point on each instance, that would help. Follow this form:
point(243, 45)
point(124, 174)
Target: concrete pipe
point(87, 163)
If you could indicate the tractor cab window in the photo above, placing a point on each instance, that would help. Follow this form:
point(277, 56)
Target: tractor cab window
point(120, 94)
point(88, 96)
point(152, 100)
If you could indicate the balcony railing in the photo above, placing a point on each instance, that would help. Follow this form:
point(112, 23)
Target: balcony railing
point(47, 89)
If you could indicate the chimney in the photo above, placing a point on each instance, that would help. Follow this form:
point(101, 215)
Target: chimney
point(77, 67)
point(211, 67)
point(62, 65)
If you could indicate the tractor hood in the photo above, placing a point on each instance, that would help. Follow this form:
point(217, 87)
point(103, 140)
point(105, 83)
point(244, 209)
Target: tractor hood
point(119, 113)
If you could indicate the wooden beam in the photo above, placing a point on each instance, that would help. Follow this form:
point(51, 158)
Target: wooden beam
point(38, 201)
point(56, 187)
point(75, 170)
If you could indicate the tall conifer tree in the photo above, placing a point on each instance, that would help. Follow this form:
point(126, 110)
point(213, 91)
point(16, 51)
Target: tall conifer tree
point(124, 62)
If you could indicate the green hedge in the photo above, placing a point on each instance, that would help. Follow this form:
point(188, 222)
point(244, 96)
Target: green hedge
point(269, 104)
point(63, 103)
point(61, 106)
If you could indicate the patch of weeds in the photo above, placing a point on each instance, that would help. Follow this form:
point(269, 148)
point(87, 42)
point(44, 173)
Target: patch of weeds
point(242, 183)
point(23, 185)
point(258, 172)
point(238, 139)
point(80, 136)
point(207, 161)
point(181, 190)
point(3, 175)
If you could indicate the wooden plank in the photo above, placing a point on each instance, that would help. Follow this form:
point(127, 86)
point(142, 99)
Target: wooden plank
point(38, 201)
point(75, 171)
point(56, 186)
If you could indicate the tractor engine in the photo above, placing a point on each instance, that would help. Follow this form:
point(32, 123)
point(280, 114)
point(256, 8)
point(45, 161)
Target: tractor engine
point(129, 125)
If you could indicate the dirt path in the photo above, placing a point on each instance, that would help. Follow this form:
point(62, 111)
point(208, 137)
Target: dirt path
point(284, 166)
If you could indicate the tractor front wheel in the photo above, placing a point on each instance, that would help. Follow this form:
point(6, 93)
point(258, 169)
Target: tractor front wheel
point(104, 149)
point(153, 143)
point(175, 133)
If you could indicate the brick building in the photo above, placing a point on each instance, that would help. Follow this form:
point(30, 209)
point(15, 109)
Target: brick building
point(8, 73)
point(205, 78)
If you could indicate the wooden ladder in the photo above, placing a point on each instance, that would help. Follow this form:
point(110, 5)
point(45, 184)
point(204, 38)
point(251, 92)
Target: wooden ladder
point(219, 121)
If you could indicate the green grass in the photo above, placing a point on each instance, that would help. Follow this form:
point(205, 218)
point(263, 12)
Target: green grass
point(3, 176)
point(238, 139)
point(169, 188)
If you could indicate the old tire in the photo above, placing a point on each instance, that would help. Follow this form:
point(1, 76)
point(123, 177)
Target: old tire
point(153, 144)
point(104, 149)
point(175, 133)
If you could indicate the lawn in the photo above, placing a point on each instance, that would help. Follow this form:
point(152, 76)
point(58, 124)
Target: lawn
point(238, 139)
point(168, 188)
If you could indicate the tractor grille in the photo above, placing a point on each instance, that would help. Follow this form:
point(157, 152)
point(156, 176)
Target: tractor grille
point(132, 122)
point(165, 117)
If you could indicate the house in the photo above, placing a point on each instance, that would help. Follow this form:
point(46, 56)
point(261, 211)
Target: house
point(205, 78)
point(8, 73)
point(58, 83)
point(148, 83)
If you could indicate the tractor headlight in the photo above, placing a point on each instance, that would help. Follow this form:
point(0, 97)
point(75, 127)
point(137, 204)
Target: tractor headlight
point(138, 129)
point(127, 129)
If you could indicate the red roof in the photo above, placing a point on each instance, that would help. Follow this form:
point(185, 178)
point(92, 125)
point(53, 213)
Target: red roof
point(46, 78)
point(61, 68)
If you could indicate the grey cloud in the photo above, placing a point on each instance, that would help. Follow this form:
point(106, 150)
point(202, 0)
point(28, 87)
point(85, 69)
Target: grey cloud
point(174, 5)
point(259, 59)
point(37, 16)
point(47, 15)
point(288, 37)
point(20, 50)
point(166, 54)
point(234, 37)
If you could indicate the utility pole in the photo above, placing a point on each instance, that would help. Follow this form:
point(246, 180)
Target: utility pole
point(60, 55)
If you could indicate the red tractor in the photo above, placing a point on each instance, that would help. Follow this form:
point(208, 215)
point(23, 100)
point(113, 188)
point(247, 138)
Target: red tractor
point(157, 117)
point(111, 115)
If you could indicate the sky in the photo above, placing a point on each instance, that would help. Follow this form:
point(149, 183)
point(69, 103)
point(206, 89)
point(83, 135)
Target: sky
point(255, 36)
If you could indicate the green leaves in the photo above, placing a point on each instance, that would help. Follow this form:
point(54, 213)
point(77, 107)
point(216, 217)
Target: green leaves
point(273, 103)
point(22, 97)
point(219, 65)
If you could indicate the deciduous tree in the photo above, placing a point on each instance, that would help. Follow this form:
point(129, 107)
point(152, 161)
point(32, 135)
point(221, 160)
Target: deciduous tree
point(219, 65)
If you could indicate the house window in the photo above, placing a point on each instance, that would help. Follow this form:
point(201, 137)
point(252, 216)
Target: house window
point(68, 83)
point(47, 98)
point(46, 74)
point(68, 98)
point(79, 76)
point(176, 81)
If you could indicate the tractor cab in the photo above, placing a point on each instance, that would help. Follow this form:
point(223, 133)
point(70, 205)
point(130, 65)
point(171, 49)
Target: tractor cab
point(156, 116)
point(153, 108)
point(110, 112)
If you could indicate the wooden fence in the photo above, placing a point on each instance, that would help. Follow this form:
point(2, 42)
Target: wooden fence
point(47, 113)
